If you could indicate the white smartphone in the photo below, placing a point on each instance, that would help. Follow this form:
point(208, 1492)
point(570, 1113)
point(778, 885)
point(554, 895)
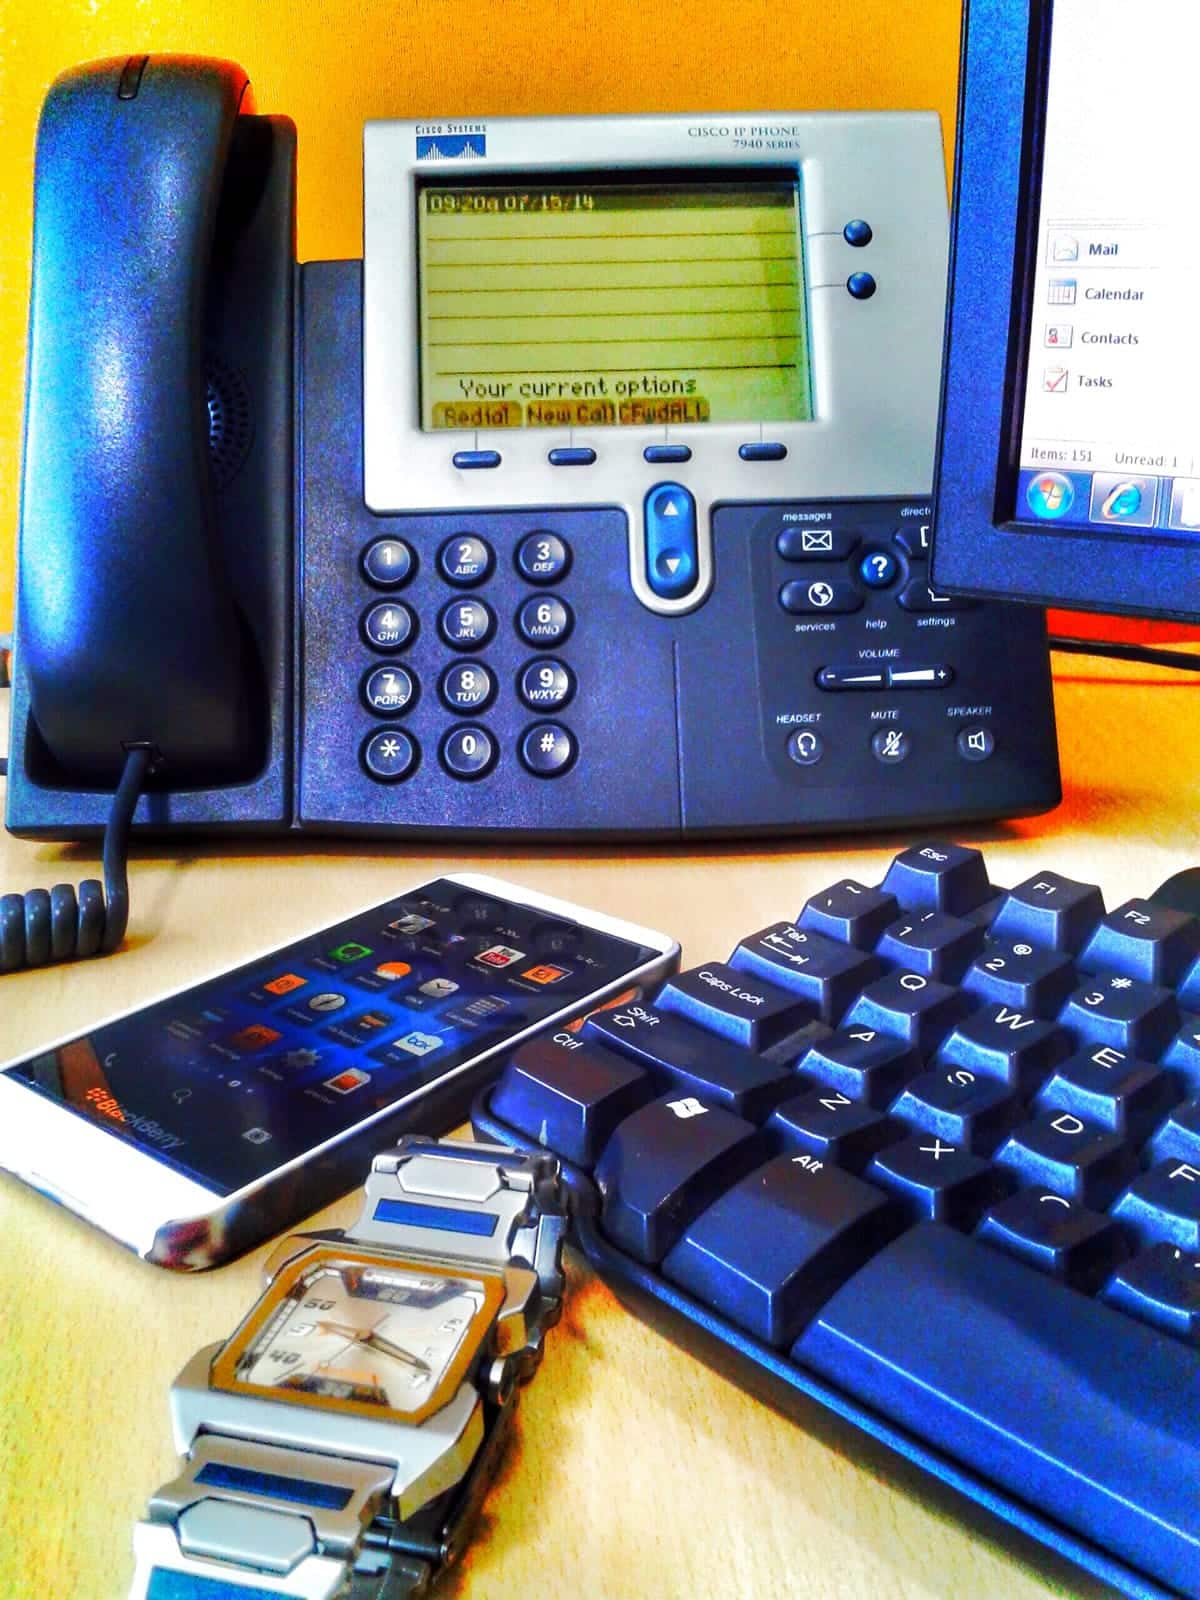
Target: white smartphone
point(197, 1126)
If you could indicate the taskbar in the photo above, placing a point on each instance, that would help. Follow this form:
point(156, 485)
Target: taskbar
point(1138, 503)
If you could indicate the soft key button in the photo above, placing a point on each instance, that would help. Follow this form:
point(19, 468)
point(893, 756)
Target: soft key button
point(671, 552)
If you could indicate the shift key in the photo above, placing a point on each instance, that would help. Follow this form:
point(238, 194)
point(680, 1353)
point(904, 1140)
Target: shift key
point(739, 1006)
point(691, 1059)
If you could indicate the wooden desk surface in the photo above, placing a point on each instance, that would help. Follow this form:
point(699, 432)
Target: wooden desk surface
point(637, 1472)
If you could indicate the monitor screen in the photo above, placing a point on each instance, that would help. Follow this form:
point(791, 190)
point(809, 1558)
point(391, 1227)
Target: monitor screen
point(596, 304)
point(1108, 434)
point(1069, 456)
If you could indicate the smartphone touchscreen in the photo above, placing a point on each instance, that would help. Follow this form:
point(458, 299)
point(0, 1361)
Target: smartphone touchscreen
point(230, 1080)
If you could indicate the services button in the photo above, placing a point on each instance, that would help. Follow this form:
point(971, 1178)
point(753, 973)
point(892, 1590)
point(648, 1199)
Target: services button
point(799, 597)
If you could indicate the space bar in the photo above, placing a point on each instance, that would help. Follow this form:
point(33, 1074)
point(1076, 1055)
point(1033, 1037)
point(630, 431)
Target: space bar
point(1064, 1402)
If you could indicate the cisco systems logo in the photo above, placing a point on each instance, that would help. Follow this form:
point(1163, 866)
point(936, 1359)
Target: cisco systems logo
point(455, 143)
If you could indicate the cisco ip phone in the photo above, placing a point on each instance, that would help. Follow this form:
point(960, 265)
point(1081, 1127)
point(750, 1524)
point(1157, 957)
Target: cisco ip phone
point(594, 501)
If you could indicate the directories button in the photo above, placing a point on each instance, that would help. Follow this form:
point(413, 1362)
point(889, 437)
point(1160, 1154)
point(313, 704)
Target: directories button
point(671, 553)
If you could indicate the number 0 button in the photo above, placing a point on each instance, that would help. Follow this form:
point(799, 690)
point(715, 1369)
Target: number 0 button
point(546, 685)
point(466, 624)
point(468, 752)
point(547, 749)
point(544, 619)
point(543, 558)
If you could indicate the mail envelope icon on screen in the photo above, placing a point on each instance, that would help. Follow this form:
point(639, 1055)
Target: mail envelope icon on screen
point(821, 539)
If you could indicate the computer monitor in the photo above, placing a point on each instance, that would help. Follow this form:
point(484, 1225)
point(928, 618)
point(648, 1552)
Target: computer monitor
point(1070, 444)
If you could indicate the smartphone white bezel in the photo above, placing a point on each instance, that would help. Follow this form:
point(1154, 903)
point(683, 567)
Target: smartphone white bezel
point(130, 1195)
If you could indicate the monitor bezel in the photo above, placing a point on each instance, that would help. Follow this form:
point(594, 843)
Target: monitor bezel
point(980, 545)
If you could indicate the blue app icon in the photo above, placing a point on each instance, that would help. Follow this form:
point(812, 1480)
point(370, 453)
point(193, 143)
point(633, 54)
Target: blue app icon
point(1050, 495)
point(1123, 501)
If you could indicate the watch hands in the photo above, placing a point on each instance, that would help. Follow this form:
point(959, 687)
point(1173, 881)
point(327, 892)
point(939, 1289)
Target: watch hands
point(374, 1341)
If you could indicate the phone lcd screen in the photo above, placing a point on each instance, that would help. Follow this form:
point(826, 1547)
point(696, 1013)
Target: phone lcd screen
point(231, 1079)
point(607, 304)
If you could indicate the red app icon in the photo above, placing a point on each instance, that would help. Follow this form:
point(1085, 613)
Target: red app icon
point(256, 1037)
point(499, 955)
point(546, 972)
point(285, 983)
point(346, 1082)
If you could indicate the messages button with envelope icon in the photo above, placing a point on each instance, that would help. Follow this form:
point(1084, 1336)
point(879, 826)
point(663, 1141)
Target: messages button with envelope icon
point(815, 544)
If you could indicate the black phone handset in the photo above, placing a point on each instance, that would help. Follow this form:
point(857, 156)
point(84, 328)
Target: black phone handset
point(140, 667)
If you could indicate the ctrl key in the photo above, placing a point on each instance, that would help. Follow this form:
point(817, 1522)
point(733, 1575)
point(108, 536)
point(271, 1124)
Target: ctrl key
point(568, 1095)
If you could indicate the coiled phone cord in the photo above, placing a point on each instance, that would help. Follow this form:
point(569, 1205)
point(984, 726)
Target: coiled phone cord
point(61, 924)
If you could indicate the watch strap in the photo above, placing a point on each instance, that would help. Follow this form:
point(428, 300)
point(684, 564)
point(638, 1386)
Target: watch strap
point(245, 1519)
point(478, 1204)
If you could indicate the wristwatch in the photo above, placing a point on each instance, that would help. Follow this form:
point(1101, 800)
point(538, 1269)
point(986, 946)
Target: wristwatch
point(339, 1444)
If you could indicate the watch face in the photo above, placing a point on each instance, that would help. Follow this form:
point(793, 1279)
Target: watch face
point(364, 1334)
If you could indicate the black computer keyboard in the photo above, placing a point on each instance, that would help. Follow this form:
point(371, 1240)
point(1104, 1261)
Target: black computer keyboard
point(931, 1155)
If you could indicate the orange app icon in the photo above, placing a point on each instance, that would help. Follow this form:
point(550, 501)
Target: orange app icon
point(393, 970)
point(285, 983)
point(544, 972)
point(255, 1037)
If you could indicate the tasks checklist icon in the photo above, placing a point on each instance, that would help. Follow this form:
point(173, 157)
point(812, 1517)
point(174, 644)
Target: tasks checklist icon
point(1061, 291)
point(1054, 380)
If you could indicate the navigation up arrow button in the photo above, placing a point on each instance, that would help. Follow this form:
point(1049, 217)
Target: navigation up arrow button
point(671, 555)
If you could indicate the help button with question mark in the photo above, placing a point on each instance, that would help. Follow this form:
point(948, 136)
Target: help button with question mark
point(878, 569)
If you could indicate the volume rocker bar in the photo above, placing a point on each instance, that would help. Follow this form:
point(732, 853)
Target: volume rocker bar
point(1071, 1407)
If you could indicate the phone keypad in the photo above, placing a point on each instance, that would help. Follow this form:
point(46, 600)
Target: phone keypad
point(467, 685)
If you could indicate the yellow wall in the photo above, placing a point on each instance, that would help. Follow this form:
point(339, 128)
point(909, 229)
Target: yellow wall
point(332, 64)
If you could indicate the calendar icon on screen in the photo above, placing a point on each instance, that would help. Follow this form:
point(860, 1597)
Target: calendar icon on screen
point(1061, 292)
